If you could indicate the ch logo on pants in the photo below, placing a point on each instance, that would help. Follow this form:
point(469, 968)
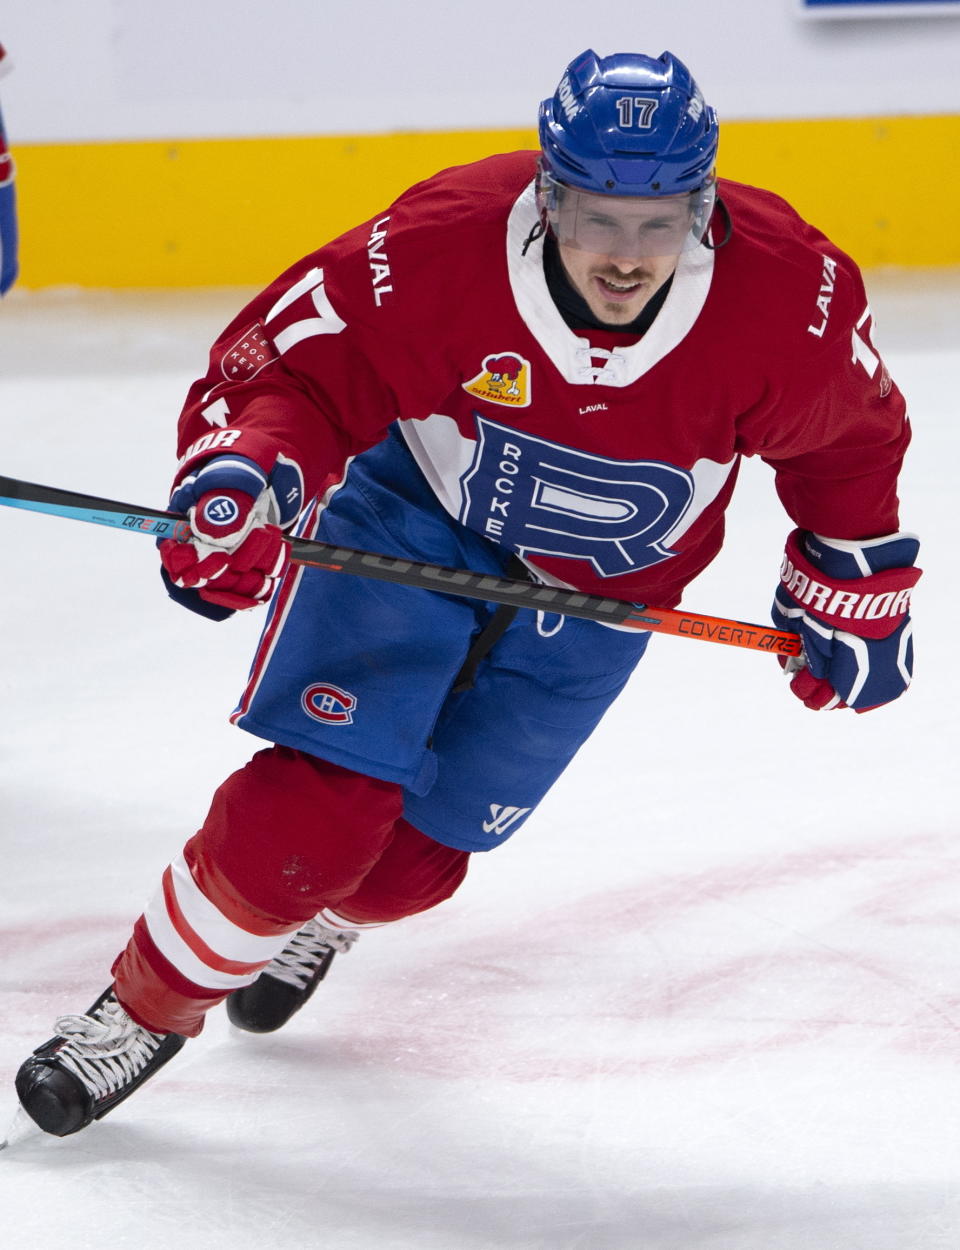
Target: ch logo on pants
point(503, 817)
point(328, 703)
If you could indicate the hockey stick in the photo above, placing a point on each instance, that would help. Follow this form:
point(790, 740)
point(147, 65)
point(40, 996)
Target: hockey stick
point(484, 586)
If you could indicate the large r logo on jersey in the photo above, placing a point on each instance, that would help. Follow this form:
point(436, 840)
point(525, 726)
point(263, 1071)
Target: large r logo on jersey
point(541, 498)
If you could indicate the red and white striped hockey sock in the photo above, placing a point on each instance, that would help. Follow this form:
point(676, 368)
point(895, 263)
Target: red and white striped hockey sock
point(190, 950)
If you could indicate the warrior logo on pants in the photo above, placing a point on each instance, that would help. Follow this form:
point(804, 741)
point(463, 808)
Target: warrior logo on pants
point(501, 818)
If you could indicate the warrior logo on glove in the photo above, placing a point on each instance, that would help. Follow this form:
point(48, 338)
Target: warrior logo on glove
point(220, 510)
point(234, 553)
point(850, 602)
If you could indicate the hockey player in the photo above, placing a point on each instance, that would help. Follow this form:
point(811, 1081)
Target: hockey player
point(8, 207)
point(545, 361)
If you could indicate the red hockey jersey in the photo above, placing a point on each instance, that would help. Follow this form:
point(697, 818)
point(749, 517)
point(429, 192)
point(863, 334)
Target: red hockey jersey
point(605, 461)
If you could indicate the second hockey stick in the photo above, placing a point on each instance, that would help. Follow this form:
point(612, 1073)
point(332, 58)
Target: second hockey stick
point(484, 586)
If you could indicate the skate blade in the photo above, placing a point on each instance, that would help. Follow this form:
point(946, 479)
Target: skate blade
point(21, 1128)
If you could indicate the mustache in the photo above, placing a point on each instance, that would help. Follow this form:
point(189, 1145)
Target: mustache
point(615, 277)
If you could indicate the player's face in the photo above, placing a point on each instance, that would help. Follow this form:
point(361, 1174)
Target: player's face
point(616, 288)
point(618, 250)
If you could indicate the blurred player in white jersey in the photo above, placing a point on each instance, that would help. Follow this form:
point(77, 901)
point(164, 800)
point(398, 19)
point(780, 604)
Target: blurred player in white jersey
point(545, 364)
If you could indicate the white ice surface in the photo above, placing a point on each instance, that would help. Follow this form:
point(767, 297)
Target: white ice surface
point(709, 998)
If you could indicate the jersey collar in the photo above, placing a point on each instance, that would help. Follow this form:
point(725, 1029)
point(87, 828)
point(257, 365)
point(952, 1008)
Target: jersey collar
point(577, 361)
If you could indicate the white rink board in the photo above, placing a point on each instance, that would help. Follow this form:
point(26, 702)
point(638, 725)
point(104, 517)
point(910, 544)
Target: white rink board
point(116, 72)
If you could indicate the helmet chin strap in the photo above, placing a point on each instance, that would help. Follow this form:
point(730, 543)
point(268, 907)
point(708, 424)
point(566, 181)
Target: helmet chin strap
point(727, 228)
point(539, 228)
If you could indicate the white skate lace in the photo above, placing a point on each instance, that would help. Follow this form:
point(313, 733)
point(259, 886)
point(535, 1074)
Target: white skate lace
point(298, 960)
point(105, 1051)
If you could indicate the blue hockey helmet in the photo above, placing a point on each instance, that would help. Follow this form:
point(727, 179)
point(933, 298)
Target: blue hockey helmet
point(628, 125)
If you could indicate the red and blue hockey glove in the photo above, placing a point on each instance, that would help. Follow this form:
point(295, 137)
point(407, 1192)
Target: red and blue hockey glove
point(850, 603)
point(236, 552)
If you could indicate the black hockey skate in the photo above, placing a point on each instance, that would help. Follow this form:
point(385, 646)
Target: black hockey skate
point(95, 1061)
point(289, 979)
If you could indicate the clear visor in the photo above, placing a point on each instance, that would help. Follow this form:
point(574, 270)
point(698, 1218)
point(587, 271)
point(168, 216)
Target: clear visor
point(626, 226)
